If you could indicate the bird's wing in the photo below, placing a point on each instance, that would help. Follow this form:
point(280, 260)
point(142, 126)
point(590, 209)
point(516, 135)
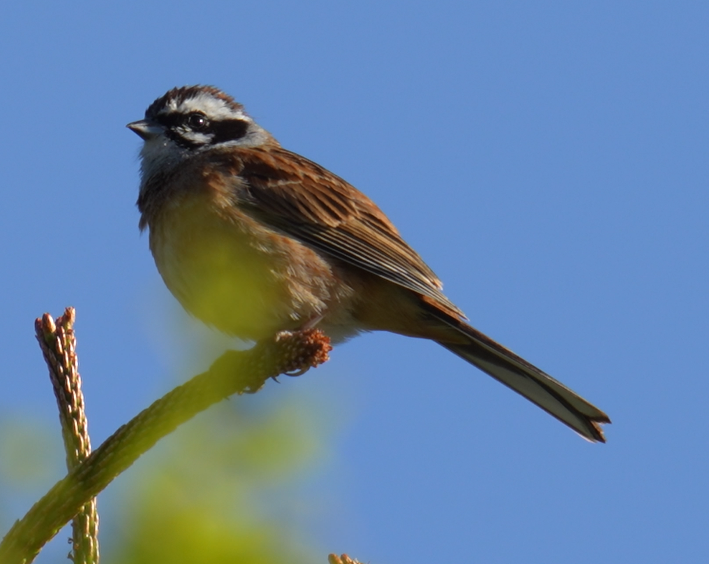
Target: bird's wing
point(307, 202)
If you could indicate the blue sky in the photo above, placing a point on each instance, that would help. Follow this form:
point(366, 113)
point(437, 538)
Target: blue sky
point(547, 159)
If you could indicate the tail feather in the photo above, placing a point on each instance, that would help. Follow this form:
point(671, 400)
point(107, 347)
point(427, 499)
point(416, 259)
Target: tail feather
point(525, 379)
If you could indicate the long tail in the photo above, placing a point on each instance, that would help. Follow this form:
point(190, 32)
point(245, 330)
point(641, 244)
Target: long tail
point(525, 379)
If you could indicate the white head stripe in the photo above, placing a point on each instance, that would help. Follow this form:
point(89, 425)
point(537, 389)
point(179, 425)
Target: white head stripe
point(212, 107)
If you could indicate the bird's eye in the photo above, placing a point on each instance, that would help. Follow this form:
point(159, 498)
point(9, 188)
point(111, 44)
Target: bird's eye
point(197, 121)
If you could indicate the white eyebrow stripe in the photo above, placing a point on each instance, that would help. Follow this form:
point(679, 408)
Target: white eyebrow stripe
point(212, 107)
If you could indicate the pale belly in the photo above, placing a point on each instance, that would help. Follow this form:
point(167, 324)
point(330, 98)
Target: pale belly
point(241, 278)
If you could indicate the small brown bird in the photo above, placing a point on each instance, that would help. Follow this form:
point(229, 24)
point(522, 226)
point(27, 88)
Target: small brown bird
point(254, 239)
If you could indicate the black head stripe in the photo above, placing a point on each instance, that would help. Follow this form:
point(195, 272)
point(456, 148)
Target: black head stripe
point(169, 120)
point(228, 130)
point(184, 131)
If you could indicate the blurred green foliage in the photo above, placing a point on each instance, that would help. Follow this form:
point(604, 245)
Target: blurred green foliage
point(222, 488)
point(31, 460)
point(30, 452)
point(213, 491)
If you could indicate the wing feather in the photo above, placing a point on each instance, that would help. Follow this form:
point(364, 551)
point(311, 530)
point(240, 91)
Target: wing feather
point(307, 202)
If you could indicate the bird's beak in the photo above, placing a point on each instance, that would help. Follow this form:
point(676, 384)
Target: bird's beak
point(145, 129)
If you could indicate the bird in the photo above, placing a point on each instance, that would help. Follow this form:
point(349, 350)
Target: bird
point(253, 239)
